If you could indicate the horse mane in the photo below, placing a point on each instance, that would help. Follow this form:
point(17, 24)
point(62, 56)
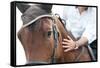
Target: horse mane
point(63, 22)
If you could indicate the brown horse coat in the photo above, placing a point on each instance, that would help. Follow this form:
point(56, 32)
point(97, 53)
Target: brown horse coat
point(38, 42)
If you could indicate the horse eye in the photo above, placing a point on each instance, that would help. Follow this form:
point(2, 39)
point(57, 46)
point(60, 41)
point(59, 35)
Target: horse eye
point(49, 33)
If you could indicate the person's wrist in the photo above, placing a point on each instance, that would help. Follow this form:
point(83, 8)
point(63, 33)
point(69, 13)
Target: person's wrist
point(76, 45)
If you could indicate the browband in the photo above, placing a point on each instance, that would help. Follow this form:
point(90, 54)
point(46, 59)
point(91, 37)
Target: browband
point(39, 17)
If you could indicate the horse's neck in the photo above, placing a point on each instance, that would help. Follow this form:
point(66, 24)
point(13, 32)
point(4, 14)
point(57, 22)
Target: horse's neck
point(64, 32)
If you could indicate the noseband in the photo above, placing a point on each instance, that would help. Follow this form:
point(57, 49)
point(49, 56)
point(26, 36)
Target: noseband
point(55, 36)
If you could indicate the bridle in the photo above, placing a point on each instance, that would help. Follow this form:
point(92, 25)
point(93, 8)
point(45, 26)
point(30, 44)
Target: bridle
point(55, 36)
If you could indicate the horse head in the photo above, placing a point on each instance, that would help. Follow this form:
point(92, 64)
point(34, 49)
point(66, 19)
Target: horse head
point(41, 36)
point(38, 35)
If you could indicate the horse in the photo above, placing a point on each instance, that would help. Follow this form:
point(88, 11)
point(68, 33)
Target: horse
point(41, 36)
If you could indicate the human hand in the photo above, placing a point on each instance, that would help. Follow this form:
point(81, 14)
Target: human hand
point(68, 44)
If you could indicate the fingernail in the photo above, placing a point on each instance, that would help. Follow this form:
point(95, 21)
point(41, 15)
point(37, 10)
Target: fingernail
point(63, 46)
point(65, 50)
point(63, 43)
point(64, 39)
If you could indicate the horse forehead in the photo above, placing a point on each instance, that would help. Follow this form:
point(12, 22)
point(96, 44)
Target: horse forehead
point(47, 24)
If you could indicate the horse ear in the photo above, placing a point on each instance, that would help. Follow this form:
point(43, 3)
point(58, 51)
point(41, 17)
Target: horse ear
point(22, 7)
point(46, 7)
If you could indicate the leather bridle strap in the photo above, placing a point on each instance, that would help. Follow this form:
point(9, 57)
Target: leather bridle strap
point(37, 18)
point(91, 53)
point(78, 57)
point(55, 34)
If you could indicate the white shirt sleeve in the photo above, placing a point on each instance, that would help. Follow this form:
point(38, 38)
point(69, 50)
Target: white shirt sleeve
point(70, 14)
point(90, 30)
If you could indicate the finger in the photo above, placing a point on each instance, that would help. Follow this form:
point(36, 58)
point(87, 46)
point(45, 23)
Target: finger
point(67, 50)
point(64, 43)
point(65, 46)
point(69, 38)
point(66, 40)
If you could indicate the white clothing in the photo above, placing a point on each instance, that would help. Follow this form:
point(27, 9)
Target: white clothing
point(79, 25)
